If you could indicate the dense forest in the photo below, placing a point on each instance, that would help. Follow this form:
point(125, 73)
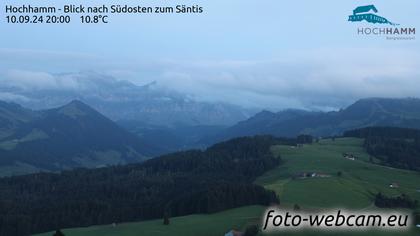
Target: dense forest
point(304, 139)
point(402, 201)
point(397, 147)
point(176, 184)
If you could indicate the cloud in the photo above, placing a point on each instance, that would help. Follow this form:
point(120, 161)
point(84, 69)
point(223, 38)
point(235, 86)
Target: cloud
point(319, 79)
point(6, 96)
point(322, 79)
point(32, 80)
point(38, 81)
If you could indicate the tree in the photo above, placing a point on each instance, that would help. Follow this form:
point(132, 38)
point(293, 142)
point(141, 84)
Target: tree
point(402, 201)
point(166, 218)
point(304, 139)
point(251, 230)
point(58, 233)
point(339, 174)
point(296, 207)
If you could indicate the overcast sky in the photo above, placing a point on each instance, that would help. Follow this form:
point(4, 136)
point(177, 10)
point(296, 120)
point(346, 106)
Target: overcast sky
point(260, 53)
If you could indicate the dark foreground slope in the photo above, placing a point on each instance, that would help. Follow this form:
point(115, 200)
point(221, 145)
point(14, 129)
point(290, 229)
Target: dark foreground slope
point(354, 189)
point(177, 184)
point(71, 136)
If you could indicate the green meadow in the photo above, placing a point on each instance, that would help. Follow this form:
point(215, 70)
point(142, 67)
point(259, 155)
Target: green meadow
point(339, 183)
point(192, 225)
point(354, 188)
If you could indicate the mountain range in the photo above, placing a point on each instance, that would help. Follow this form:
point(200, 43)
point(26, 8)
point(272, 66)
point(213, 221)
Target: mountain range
point(76, 135)
point(70, 136)
point(150, 104)
point(404, 112)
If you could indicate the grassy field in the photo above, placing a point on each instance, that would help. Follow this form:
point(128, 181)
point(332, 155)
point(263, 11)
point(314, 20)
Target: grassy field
point(192, 225)
point(354, 189)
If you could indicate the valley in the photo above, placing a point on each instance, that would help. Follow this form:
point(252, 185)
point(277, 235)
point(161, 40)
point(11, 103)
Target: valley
point(213, 182)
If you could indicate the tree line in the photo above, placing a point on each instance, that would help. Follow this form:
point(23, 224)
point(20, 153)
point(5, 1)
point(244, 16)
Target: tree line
point(177, 184)
point(396, 147)
point(402, 201)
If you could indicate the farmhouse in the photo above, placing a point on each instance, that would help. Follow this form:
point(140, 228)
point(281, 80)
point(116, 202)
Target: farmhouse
point(394, 185)
point(304, 175)
point(349, 156)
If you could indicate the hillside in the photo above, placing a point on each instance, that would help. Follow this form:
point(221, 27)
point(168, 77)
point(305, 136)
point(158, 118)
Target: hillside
point(363, 113)
point(178, 184)
point(170, 139)
point(216, 224)
point(70, 136)
point(392, 146)
point(354, 189)
point(11, 116)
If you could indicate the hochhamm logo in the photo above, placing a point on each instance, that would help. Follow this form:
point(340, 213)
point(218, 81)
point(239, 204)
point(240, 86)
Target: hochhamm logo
point(364, 13)
point(392, 32)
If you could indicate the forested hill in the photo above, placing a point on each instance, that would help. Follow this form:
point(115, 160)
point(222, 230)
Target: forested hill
point(397, 147)
point(388, 132)
point(177, 184)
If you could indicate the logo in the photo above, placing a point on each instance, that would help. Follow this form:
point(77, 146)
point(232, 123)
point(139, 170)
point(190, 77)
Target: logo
point(364, 13)
point(390, 30)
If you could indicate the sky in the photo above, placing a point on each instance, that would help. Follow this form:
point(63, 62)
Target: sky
point(255, 53)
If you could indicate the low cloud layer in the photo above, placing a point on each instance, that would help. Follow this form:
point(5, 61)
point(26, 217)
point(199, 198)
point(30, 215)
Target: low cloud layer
point(323, 79)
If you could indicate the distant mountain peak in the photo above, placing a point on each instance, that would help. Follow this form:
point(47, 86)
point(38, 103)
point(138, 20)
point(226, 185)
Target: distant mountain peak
point(79, 103)
point(265, 113)
point(75, 109)
point(73, 135)
point(153, 83)
point(386, 104)
point(262, 115)
point(150, 102)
